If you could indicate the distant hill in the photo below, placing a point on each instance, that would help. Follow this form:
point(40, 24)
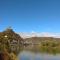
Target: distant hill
point(39, 39)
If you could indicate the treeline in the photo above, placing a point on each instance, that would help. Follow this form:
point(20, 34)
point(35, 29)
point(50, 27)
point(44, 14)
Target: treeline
point(45, 44)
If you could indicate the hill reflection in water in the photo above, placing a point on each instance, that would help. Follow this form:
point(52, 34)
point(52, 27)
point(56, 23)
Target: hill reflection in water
point(28, 55)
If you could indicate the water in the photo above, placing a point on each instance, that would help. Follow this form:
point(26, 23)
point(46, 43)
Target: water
point(28, 55)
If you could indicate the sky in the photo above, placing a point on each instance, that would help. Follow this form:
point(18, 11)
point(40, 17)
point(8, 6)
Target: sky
point(30, 15)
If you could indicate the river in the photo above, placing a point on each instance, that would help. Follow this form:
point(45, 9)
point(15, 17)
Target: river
point(29, 55)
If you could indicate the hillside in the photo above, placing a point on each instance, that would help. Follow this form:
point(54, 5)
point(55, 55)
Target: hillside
point(40, 39)
point(10, 43)
point(10, 40)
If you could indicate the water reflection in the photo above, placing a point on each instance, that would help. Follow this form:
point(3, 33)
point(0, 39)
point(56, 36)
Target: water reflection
point(28, 55)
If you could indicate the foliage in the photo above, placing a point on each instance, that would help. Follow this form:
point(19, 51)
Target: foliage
point(6, 37)
point(45, 44)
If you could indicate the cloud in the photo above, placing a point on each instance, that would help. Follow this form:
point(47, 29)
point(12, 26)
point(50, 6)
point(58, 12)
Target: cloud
point(36, 34)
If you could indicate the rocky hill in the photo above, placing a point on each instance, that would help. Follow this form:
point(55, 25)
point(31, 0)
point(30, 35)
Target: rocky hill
point(10, 40)
point(10, 44)
point(11, 34)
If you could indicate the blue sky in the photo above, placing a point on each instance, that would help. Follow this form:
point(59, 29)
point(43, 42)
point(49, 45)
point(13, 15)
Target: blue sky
point(30, 15)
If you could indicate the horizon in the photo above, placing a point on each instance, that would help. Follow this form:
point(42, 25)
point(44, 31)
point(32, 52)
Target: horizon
point(30, 15)
point(40, 34)
point(35, 34)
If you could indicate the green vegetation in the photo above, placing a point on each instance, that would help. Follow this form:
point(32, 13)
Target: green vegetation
point(10, 42)
point(52, 46)
point(45, 44)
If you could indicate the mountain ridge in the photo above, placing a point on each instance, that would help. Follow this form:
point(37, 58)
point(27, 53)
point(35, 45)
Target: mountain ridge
point(42, 34)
